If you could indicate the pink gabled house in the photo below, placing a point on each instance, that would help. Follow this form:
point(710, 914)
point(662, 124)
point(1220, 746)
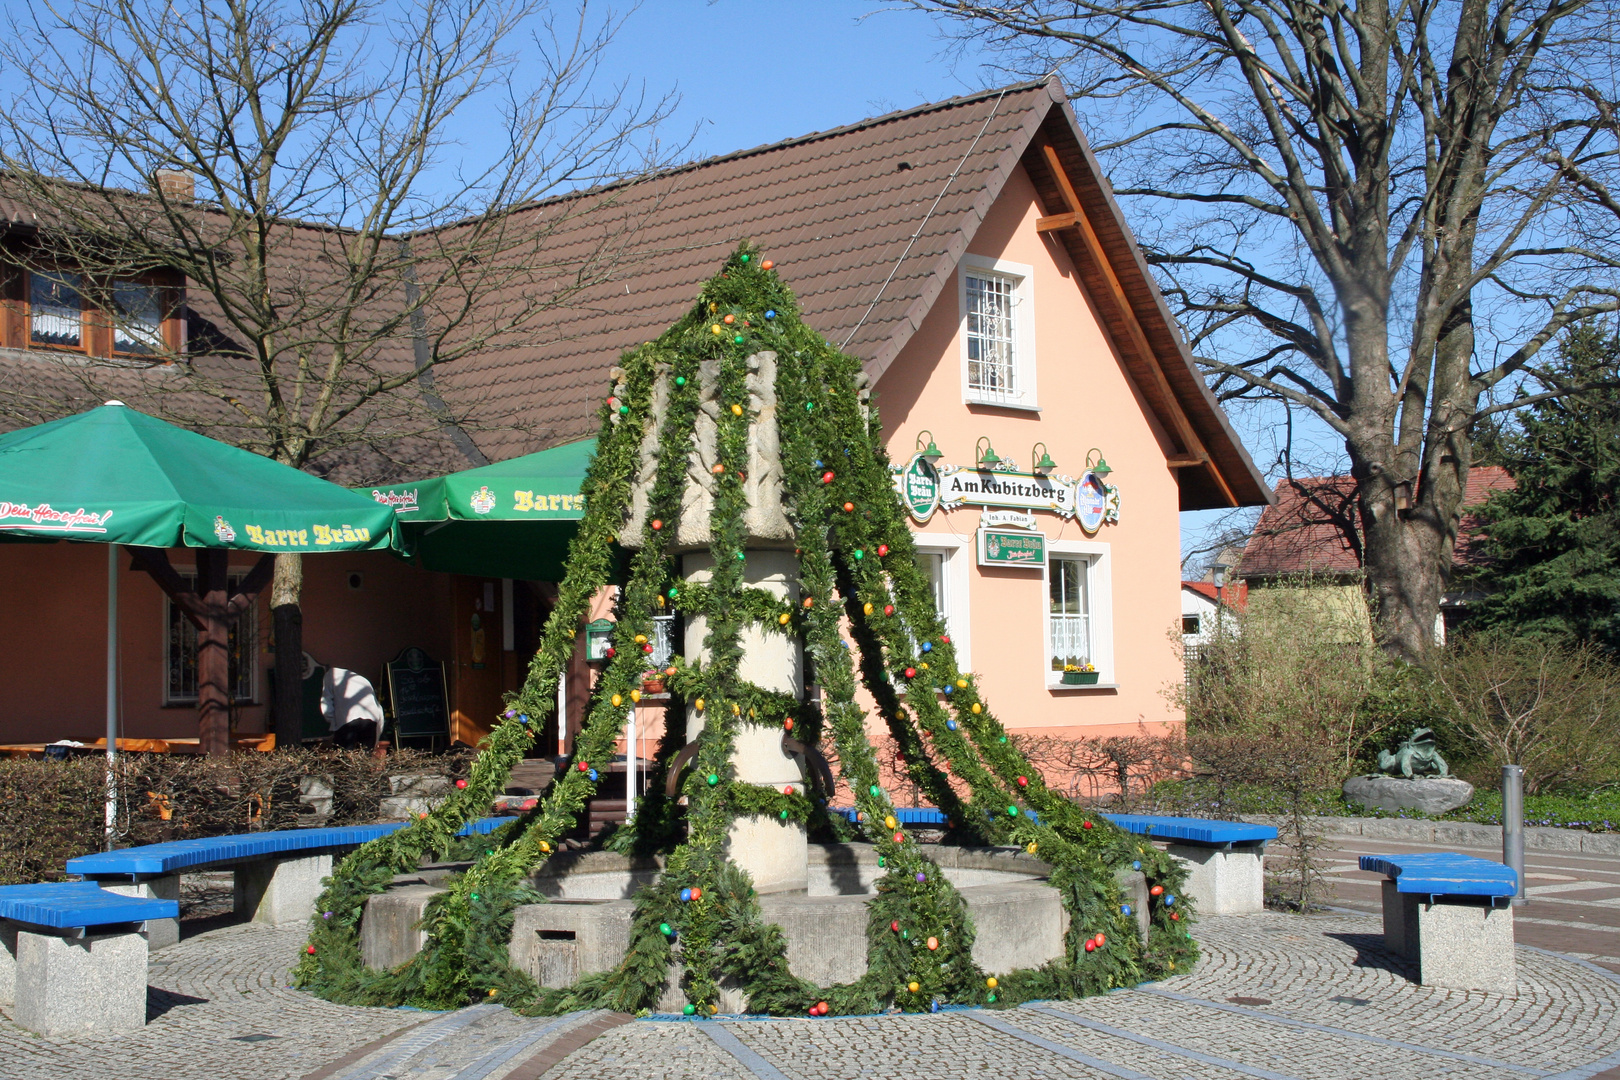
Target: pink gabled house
point(970, 252)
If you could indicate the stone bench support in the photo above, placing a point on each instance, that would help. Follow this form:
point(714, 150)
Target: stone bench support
point(1459, 942)
point(61, 984)
point(279, 891)
point(1228, 879)
point(160, 933)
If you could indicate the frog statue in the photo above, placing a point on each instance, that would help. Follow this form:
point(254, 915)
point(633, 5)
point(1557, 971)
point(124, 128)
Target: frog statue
point(1416, 756)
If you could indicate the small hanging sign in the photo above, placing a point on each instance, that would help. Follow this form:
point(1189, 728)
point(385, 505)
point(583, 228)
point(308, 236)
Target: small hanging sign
point(1002, 547)
point(918, 485)
point(1002, 518)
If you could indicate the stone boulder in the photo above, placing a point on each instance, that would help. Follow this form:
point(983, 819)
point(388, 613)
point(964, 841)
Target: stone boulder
point(1429, 794)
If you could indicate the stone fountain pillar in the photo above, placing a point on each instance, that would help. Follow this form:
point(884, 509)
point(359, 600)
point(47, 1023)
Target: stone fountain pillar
point(773, 852)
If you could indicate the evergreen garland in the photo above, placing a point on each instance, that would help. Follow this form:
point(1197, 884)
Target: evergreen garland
point(856, 560)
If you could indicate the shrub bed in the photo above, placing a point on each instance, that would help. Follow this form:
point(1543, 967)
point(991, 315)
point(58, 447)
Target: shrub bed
point(51, 811)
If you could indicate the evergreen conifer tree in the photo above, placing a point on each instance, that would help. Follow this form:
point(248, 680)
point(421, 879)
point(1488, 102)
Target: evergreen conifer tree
point(1552, 543)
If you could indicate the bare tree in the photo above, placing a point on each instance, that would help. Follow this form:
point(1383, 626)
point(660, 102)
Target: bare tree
point(1378, 213)
point(299, 167)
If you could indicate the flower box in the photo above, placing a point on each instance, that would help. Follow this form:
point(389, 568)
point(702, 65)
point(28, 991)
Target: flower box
point(652, 686)
point(1080, 678)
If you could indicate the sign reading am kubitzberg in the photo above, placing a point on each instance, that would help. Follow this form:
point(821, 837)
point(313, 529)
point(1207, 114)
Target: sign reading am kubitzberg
point(921, 488)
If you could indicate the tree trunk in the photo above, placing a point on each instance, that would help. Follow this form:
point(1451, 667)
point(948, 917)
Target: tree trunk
point(213, 654)
point(288, 620)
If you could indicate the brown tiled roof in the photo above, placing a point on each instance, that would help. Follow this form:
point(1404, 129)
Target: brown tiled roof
point(866, 223)
point(1309, 529)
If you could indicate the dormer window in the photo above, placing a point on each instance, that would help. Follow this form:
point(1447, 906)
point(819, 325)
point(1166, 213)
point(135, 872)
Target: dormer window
point(55, 311)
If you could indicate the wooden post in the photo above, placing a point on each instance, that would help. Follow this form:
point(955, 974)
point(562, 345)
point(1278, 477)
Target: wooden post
point(213, 653)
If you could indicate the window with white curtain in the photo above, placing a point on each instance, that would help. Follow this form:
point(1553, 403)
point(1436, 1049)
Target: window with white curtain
point(1078, 620)
point(55, 311)
point(137, 318)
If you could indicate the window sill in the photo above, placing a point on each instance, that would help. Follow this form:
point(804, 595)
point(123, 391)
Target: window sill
point(1070, 687)
point(1013, 406)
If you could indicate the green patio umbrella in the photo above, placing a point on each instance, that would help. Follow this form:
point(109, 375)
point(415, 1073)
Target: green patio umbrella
point(117, 476)
point(512, 519)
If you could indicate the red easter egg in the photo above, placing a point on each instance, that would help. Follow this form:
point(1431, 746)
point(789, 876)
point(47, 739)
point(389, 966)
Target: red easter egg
point(1157, 890)
point(461, 783)
point(1023, 781)
point(849, 508)
point(895, 926)
point(1091, 946)
point(766, 265)
point(697, 893)
point(945, 638)
point(827, 477)
point(729, 319)
point(888, 609)
point(899, 838)
point(1174, 917)
point(1085, 825)
point(310, 950)
point(657, 524)
point(1101, 941)
point(584, 766)
point(911, 673)
point(787, 725)
point(883, 549)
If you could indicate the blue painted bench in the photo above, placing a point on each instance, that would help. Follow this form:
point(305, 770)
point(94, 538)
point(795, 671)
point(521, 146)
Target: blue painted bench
point(73, 956)
point(1225, 859)
point(278, 874)
point(1453, 914)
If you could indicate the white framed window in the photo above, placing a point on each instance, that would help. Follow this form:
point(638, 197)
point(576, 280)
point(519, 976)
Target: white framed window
point(998, 332)
point(1077, 611)
point(945, 561)
point(180, 649)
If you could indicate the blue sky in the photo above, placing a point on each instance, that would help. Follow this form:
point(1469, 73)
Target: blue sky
point(756, 71)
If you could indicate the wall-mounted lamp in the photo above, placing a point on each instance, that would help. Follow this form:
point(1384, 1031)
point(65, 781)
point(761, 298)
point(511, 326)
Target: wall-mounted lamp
point(930, 453)
point(1043, 461)
point(984, 454)
point(1099, 464)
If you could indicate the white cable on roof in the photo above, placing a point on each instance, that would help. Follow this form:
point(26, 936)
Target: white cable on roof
point(924, 223)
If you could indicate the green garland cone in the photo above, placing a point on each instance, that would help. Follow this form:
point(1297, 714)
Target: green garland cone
point(855, 563)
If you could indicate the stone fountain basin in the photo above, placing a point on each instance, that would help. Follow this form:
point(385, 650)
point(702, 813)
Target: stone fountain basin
point(1019, 919)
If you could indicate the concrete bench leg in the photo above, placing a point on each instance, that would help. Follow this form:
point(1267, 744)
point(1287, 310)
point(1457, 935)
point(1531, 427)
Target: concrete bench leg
point(280, 890)
point(1225, 882)
point(160, 933)
point(64, 986)
point(8, 963)
point(1458, 943)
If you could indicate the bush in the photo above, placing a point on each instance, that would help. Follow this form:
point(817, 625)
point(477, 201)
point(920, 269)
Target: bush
point(51, 811)
point(1552, 708)
point(1298, 666)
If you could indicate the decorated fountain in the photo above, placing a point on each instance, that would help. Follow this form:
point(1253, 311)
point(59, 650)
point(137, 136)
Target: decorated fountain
point(740, 482)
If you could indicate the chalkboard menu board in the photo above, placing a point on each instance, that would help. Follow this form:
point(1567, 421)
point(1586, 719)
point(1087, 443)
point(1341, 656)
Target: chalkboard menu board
point(416, 690)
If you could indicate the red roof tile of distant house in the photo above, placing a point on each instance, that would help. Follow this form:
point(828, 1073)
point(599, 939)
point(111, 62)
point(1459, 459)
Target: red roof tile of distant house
point(1235, 596)
point(1314, 527)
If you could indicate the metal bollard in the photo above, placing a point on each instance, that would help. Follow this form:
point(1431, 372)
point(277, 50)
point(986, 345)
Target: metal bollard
point(1513, 823)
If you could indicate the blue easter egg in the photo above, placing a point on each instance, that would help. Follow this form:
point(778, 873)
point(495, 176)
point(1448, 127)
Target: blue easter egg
point(593, 774)
point(951, 724)
point(928, 646)
point(686, 895)
point(1136, 866)
point(770, 314)
point(1168, 900)
point(1125, 909)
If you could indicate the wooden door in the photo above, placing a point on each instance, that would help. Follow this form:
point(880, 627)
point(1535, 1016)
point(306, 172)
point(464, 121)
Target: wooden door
point(476, 696)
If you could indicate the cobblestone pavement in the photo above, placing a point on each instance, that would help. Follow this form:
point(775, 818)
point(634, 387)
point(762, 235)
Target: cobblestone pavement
point(1278, 997)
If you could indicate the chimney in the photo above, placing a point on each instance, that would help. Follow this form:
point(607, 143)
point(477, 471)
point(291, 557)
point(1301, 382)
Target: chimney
point(176, 185)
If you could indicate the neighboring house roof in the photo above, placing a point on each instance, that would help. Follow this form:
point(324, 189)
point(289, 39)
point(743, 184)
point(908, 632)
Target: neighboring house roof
point(1236, 596)
point(1309, 528)
point(866, 223)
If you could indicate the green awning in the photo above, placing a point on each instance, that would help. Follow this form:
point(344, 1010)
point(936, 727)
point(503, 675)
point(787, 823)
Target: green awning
point(512, 519)
point(117, 476)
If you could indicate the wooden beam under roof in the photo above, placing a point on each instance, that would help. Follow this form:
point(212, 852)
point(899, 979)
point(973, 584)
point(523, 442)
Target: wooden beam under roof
point(1075, 224)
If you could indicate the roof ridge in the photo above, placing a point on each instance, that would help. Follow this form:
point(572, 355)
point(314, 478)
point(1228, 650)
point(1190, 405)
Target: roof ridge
point(781, 144)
